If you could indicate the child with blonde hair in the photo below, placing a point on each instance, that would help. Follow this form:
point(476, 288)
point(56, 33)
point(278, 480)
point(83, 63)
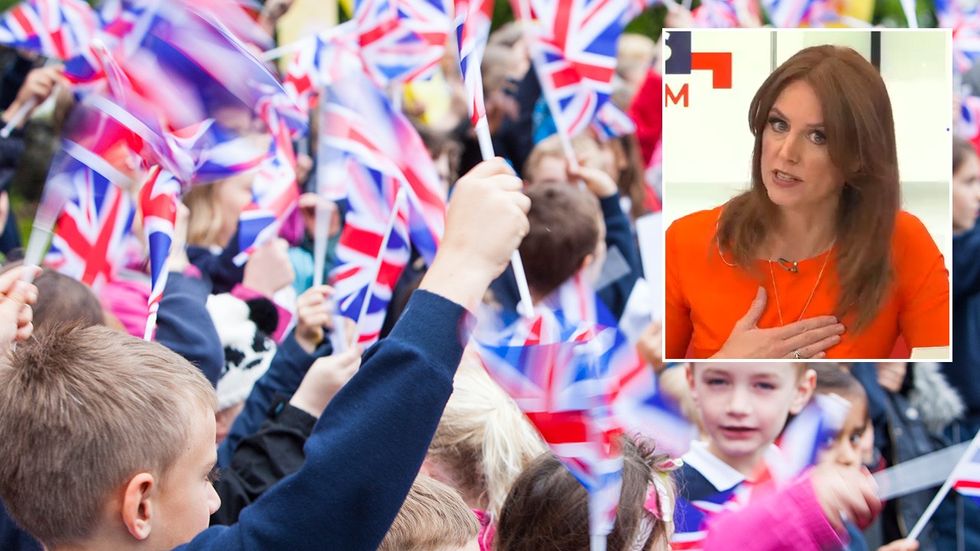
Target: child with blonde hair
point(482, 444)
point(433, 518)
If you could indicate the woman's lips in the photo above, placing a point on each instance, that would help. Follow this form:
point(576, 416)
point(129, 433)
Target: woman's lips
point(785, 179)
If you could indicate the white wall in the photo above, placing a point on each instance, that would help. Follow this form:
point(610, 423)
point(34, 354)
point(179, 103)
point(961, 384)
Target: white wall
point(708, 145)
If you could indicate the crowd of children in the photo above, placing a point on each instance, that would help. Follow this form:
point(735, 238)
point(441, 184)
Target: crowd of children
point(255, 421)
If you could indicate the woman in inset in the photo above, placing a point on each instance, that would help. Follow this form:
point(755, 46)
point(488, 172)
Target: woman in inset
point(816, 259)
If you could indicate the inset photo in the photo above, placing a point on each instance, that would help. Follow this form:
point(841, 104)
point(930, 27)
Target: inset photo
point(806, 190)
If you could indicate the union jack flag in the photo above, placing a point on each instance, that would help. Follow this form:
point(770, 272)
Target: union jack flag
point(582, 384)
point(787, 13)
point(966, 475)
point(320, 60)
point(359, 123)
point(575, 55)
point(806, 435)
point(964, 20)
point(401, 40)
point(158, 206)
point(369, 153)
point(472, 30)
point(274, 188)
point(551, 370)
point(89, 236)
point(59, 29)
point(372, 251)
point(611, 123)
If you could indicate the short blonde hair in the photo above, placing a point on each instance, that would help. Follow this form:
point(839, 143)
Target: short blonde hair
point(433, 517)
point(483, 438)
point(81, 410)
point(583, 144)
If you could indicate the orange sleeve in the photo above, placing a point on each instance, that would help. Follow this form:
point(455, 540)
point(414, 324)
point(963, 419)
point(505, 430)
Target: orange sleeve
point(677, 312)
point(923, 284)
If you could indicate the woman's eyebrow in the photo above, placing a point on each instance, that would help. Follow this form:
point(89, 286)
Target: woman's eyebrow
point(780, 114)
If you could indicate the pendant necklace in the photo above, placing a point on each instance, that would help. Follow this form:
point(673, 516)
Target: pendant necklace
point(794, 269)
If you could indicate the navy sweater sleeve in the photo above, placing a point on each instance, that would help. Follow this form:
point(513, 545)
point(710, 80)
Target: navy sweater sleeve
point(12, 538)
point(619, 235)
point(966, 267)
point(184, 325)
point(283, 377)
point(367, 447)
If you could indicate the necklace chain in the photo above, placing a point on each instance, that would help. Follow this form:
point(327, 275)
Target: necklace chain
point(775, 289)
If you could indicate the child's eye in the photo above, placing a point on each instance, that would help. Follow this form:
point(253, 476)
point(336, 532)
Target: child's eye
point(765, 386)
point(716, 382)
point(778, 124)
point(818, 137)
point(213, 475)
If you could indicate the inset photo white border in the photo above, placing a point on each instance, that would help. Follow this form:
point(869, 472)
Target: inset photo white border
point(707, 141)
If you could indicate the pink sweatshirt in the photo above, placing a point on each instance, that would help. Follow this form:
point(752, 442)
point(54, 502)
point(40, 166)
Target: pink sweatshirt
point(790, 518)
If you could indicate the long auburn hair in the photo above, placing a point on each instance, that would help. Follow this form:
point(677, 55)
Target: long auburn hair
point(861, 140)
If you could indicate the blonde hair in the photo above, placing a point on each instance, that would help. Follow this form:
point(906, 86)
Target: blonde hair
point(204, 221)
point(68, 401)
point(584, 146)
point(483, 438)
point(433, 517)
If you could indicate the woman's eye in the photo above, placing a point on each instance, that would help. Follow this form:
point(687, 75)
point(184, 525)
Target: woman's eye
point(818, 137)
point(778, 124)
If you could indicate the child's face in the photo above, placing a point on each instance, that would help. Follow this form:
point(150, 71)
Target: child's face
point(743, 407)
point(186, 497)
point(849, 447)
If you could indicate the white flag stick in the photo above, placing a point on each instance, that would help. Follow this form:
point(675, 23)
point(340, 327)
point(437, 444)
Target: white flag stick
point(934, 504)
point(526, 306)
point(18, 117)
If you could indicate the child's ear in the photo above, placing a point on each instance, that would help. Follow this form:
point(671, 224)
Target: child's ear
point(136, 505)
point(689, 374)
point(804, 391)
point(587, 261)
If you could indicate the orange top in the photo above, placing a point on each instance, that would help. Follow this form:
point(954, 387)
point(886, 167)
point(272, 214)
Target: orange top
point(705, 296)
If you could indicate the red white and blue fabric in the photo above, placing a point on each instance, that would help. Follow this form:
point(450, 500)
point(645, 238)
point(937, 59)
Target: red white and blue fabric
point(472, 31)
point(581, 383)
point(371, 200)
point(158, 205)
point(274, 187)
point(964, 20)
point(401, 40)
point(968, 125)
point(575, 42)
point(368, 152)
point(320, 60)
point(787, 13)
point(611, 123)
point(551, 369)
point(807, 434)
point(59, 29)
point(966, 479)
point(716, 14)
point(90, 232)
point(178, 69)
point(358, 123)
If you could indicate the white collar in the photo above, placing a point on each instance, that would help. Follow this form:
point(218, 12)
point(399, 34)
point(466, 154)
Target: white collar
point(721, 475)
